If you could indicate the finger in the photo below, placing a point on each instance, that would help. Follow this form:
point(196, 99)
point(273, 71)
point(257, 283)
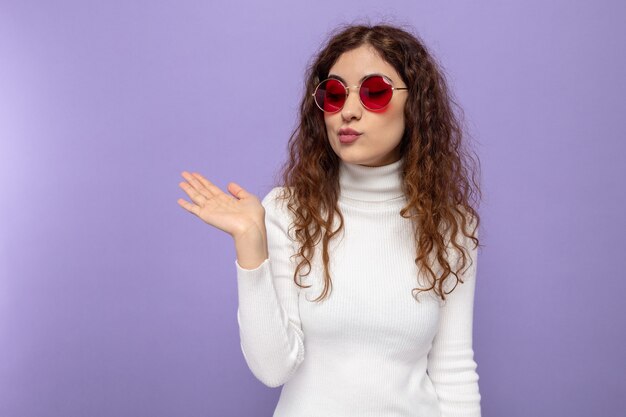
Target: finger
point(188, 206)
point(196, 197)
point(237, 190)
point(212, 188)
point(196, 185)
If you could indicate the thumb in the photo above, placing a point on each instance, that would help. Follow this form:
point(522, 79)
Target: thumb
point(236, 190)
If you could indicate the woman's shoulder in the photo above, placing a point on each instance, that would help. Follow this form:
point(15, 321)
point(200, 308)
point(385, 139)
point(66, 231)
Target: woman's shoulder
point(275, 197)
point(277, 212)
point(275, 203)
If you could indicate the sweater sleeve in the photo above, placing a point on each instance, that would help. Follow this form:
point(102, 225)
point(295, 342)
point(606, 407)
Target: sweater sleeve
point(270, 330)
point(451, 364)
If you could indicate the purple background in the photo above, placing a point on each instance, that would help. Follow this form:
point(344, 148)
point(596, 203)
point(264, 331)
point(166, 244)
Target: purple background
point(115, 301)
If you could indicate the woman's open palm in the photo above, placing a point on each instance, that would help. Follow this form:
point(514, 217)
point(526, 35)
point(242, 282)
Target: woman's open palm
point(234, 214)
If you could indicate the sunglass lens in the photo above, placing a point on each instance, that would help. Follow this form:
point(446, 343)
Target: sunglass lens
point(375, 92)
point(330, 95)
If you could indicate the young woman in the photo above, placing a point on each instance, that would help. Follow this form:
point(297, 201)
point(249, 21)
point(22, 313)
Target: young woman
point(356, 276)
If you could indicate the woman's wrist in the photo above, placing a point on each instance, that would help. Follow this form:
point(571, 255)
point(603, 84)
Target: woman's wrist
point(251, 247)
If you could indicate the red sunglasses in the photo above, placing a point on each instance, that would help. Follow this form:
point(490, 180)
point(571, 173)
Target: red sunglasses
point(375, 92)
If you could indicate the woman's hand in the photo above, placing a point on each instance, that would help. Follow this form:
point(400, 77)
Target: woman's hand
point(237, 215)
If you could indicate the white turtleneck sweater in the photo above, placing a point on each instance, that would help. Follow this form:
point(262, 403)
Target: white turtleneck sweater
point(370, 349)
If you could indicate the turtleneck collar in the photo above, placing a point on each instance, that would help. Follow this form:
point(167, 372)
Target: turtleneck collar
point(373, 184)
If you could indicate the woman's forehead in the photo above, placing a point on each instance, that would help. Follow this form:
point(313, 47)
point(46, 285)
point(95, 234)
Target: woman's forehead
point(355, 64)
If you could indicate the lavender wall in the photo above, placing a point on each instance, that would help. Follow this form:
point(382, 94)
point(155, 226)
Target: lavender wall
point(115, 301)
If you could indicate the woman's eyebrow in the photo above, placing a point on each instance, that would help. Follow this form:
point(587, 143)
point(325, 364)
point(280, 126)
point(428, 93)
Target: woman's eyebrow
point(360, 81)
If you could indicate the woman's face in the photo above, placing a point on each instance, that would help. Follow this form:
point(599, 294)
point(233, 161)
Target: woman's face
point(380, 131)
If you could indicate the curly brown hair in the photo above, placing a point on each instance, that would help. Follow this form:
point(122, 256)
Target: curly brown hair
point(436, 167)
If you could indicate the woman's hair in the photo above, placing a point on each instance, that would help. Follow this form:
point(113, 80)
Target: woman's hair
point(435, 166)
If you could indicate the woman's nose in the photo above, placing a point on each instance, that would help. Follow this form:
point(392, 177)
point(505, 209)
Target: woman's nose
point(352, 108)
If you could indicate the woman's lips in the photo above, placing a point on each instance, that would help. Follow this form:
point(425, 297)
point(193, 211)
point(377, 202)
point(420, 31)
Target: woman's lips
point(348, 138)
